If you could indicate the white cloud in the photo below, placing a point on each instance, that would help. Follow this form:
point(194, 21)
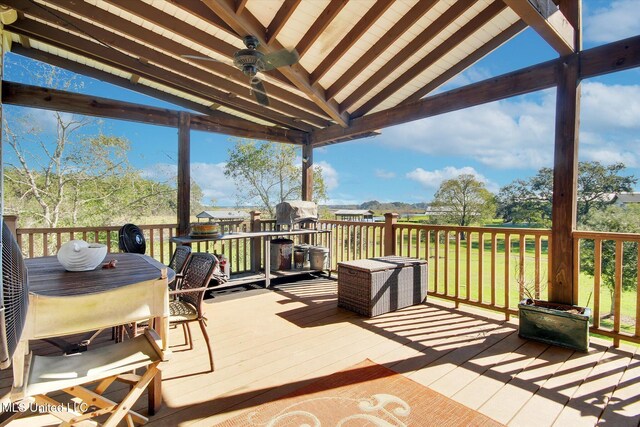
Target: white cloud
point(519, 133)
point(433, 179)
point(384, 174)
point(329, 174)
point(614, 21)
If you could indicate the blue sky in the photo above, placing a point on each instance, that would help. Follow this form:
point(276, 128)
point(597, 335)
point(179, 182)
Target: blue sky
point(497, 142)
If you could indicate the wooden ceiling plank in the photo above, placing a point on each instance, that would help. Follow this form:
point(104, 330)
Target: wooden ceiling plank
point(104, 76)
point(548, 21)
point(236, 84)
point(246, 24)
point(410, 18)
point(117, 59)
point(468, 61)
point(452, 42)
point(77, 103)
point(240, 5)
point(280, 20)
point(526, 80)
point(139, 50)
point(320, 25)
point(196, 7)
point(414, 46)
point(170, 23)
point(358, 30)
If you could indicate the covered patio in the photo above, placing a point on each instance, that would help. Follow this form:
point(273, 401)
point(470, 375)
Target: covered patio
point(357, 71)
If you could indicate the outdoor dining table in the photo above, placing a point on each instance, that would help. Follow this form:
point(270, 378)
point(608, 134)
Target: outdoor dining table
point(65, 303)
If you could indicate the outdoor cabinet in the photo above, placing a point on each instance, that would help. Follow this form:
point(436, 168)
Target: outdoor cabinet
point(379, 285)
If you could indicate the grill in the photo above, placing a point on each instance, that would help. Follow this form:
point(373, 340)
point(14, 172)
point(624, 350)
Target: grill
point(295, 213)
point(14, 298)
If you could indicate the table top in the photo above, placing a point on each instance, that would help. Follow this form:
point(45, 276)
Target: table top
point(245, 235)
point(48, 277)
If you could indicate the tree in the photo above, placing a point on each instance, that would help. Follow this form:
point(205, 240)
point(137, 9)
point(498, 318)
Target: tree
point(266, 174)
point(531, 200)
point(465, 199)
point(613, 219)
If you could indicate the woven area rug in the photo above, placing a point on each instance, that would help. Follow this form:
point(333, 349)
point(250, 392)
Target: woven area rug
point(364, 395)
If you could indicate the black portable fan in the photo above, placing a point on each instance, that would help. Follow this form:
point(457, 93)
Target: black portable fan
point(131, 239)
point(251, 61)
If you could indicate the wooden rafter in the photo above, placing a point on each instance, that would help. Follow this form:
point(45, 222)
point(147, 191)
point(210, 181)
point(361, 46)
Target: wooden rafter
point(441, 50)
point(526, 80)
point(280, 20)
point(171, 23)
point(196, 7)
point(245, 24)
point(410, 18)
point(410, 50)
point(548, 21)
point(361, 27)
point(240, 5)
point(468, 61)
point(322, 22)
point(85, 70)
point(119, 59)
point(52, 99)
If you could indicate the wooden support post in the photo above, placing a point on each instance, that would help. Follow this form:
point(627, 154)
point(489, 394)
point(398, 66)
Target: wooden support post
point(184, 173)
point(307, 172)
point(256, 244)
point(565, 168)
point(390, 220)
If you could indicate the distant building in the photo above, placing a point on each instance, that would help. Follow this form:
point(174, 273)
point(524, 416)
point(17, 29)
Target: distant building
point(623, 199)
point(224, 216)
point(439, 211)
point(354, 215)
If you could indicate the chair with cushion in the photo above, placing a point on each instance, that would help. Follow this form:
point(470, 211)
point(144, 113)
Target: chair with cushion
point(36, 377)
point(186, 307)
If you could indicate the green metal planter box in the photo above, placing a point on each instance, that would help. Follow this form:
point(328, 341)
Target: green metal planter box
point(553, 326)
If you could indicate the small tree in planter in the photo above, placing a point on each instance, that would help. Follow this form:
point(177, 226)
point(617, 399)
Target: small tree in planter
point(551, 323)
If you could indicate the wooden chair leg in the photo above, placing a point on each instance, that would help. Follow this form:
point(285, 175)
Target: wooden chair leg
point(126, 404)
point(206, 339)
point(189, 334)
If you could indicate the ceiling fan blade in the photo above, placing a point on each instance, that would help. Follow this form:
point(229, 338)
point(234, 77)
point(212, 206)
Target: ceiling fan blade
point(259, 91)
point(280, 58)
point(200, 58)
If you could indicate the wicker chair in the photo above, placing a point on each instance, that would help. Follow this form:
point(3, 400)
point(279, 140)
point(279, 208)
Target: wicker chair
point(187, 304)
point(178, 261)
point(35, 377)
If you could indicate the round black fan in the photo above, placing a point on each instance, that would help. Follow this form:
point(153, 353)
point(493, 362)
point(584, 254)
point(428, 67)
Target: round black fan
point(131, 239)
point(251, 61)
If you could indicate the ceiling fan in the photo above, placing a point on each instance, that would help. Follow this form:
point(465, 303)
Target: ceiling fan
point(251, 61)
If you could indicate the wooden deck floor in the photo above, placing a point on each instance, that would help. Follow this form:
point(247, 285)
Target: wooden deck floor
point(270, 342)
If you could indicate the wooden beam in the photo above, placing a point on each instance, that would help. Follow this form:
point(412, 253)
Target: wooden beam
point(307, 172)
point(548, 21)
point(104, 76)
point(184, 173)
point(77, 103)
point(363, 25)
point(171, 23)
point(369, 134)
point(237, 84)
point(245, 24)
point(279, 21)
point(563, 287)
point(409, 18)
point(526, 80)
point(468, 61)
point(409, 51)
point(240, 5)
point(610, 58)
point(321, 23)
point(117, 59)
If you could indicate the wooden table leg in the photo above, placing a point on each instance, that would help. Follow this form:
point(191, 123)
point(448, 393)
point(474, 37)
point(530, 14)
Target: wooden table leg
point(155, 394)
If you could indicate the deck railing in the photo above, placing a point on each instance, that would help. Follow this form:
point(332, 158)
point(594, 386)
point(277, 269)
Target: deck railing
point(487, 267)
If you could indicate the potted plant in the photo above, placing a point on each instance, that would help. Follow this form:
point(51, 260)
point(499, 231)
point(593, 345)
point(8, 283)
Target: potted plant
point(552, 323)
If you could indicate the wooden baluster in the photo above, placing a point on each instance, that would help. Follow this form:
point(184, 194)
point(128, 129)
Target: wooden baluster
point(617, 292)
point(480, 266)
point(446, 262)
point(436, 252)
point(468, 276)
point(597, 280)
point(456, 290)
point(108, 241)
point(507, 272)
point(45, 244)
point(161, 238)
point(576, 271)
point(427, 244)
point(30, 245)
point(151, 242)
point(494, 244)
point(537, 256)
point(521, 270)
point(58, 240)
point(418, 235)
point(637, 333)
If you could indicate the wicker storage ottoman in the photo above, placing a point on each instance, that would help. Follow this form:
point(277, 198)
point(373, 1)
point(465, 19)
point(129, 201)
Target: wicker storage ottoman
point(379, 285)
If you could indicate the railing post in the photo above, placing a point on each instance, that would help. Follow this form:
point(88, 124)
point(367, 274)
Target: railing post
point(390, 220)
point(256, 244)
point(12, 223)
